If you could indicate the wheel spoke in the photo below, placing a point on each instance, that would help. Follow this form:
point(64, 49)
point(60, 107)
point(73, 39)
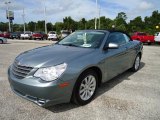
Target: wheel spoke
point(86, 80)
point(86, 96)
point(83, 95)
point(82, 85)
point(87, 87)
point(82, 91)
point(91, 89)
point(137, 63)
point(89, 94)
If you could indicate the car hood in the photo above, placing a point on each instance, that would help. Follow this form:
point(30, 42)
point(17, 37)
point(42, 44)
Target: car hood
point(51, 55)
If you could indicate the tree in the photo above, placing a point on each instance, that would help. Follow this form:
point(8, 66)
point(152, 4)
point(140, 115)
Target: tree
point(122, 15)
point(32, 26)
point(69, 23)
point(59, 26)
point(120, 21)
point(3, 26)
point(49, 26)
point(40, 25)
point(136, 24)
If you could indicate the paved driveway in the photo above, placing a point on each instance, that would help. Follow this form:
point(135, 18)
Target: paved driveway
point(131, 96)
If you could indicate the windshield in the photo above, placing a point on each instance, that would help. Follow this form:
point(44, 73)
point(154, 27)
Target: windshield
point(67, 33)
point(156, 34)
point(142, 34)
point(51, 33)
point(27, 32)
point(89, 39)
point(37, 33)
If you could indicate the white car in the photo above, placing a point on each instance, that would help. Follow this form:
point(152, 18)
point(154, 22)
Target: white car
point(26, 35)
point(52, 35)
point(64, 34)
point(157, 37)
point(3, 40)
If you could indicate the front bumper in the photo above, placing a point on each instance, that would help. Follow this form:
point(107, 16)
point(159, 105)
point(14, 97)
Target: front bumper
point(36, 37)
point(40, 92)
point(52, 37)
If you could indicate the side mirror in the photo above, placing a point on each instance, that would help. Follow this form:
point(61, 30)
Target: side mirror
point(111, 46)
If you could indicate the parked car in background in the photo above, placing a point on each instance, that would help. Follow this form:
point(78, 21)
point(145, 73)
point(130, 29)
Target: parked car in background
point(73, 68)
point(157, 37)
point(26, 35)
point(6, 34)
point(143, 37)
point(52, 35)
point(3, 40)
point(39, 35)
point(16, 35)
point(64, 33)
point(1, 34)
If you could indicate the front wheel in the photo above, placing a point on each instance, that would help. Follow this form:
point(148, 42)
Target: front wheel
point(85, 88)
point(136, 64)
point(1, 42)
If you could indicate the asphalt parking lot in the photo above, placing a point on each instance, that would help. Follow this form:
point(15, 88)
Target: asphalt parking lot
point(130, 96)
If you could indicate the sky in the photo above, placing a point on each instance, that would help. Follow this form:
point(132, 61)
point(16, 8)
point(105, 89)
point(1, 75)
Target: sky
point(56, 10)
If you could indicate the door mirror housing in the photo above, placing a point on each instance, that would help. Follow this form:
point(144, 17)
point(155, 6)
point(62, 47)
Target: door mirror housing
point(111, 46)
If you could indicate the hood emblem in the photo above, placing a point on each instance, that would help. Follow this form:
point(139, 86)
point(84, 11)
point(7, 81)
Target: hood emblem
point(18, 63)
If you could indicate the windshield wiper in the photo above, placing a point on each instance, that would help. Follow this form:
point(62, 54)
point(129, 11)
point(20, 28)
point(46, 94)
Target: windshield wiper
point(70, 44)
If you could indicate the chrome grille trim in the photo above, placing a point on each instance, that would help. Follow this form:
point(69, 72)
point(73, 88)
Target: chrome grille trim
point(20, 71)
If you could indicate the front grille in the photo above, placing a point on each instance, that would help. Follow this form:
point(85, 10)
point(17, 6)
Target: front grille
point(20, 71)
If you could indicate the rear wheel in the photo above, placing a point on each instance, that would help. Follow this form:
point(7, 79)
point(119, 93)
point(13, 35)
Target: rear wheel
point(85, 88)
point(136, 64)
point(1, 42)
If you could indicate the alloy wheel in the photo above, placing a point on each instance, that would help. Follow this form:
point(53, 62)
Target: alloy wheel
point(87, 87)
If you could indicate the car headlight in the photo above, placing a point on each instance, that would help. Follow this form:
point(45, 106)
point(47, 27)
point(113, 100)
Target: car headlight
point(51, 73)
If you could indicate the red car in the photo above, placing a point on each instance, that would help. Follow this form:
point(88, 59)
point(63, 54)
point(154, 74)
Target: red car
point(143, 37)
point(6, 34)
point(39, 35)
point(1, 34)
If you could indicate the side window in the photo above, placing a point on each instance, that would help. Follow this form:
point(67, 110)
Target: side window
point(126, 37)
point(118, 38)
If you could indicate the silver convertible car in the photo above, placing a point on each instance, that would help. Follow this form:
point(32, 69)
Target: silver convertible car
point(73, 68)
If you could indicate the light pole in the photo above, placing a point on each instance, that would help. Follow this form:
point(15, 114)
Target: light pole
point(99, 26)
point(96, 15)
point(23, 16)
point(7, 4)
point(45, 19)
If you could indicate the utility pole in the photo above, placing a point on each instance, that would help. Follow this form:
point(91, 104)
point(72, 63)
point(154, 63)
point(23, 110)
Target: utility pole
point(99, 26)
point(23, 16)
point(9, 24)
point(45, 19)
point(96, 15)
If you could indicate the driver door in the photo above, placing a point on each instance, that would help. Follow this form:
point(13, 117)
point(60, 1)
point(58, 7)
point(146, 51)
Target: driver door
point(115, 61)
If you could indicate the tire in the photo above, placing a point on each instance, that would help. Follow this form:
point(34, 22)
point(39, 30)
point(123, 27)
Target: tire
point(1, 42)
point(136, 64)
point(149, 43)
point(85, 88)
